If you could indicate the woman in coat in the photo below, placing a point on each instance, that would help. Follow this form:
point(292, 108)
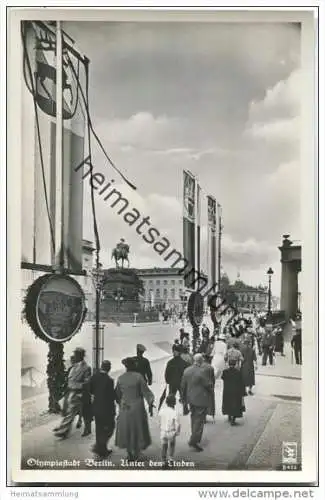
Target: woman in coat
point(233, 392)
point(248, 365)
point(132, 429)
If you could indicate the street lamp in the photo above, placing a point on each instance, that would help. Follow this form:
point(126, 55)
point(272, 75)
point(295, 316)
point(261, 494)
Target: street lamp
point(270, 272)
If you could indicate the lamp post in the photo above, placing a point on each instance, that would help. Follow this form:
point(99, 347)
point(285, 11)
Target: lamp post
point(270, 272)
point(98, 283)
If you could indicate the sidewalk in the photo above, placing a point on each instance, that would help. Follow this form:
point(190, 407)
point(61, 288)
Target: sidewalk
point(255, 443)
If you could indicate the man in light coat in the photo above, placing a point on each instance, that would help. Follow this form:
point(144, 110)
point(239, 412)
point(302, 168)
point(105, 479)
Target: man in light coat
point(196, 390)
point(78, 380)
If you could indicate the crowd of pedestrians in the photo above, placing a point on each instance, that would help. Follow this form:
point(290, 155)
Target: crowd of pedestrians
point(226, 357)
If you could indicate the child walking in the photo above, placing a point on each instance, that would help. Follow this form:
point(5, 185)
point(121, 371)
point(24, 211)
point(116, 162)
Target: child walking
point(169, 429)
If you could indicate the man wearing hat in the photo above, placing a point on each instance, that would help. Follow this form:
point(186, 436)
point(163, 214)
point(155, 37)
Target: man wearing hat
point(102, 387)
point(78, 391)
point(143, 364)
point(268, 342)
point(174, 370)
point(197, 391)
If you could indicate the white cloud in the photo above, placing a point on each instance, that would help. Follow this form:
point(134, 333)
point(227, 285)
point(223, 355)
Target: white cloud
point(246, 254)
point(276, 118)
point(140, 130)
point(283, 99)
point(278, 130)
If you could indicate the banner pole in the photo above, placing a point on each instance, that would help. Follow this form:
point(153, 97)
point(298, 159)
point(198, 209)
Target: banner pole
point(58, 253)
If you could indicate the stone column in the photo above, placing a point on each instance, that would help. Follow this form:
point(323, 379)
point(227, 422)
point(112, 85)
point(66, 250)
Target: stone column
point(289, 289)
point(293, 290)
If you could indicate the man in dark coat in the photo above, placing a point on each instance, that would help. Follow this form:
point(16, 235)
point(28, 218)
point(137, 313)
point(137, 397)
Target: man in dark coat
point(196, 389)
point(296, 345)
point(211, 411)
point(205, 345)
point(103, 407)
point(233, 393)
point(268, 341)
point(174, 370)
point(279, 341)
point(143, 364)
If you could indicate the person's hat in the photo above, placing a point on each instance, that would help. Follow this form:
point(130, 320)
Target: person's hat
point(106, 365)
point(129, 363)
point(141, 348)
point(81, 350)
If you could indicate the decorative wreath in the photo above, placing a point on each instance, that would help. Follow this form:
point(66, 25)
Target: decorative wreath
point(195, 308)
point(30, 305)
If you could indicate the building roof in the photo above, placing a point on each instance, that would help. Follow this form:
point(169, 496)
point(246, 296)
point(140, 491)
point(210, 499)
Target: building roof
point(164, 271)
point(160, 271)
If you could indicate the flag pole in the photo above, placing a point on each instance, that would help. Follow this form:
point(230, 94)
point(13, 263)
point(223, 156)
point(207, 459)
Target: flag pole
point(58, 252)
point(55, 365)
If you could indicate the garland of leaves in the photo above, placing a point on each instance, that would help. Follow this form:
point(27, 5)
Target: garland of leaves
point(56, 373)
point(56, 376)
point(195, 311)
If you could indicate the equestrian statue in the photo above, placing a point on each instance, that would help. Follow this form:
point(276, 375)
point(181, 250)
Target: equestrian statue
point(121, 253)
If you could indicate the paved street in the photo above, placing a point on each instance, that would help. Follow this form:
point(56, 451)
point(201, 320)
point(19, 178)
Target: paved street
point(273, 416)
point(119, 342)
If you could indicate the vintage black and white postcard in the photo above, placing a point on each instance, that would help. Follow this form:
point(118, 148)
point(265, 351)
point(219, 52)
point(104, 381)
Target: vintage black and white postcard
point(162, 300)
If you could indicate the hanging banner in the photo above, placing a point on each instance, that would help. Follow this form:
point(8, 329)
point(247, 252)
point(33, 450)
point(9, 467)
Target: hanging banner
point(55, 307)
point(39, 147)
point(212, 239)
point(189, 225)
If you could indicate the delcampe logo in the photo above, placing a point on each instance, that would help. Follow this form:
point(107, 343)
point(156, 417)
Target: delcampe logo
point(289, 452)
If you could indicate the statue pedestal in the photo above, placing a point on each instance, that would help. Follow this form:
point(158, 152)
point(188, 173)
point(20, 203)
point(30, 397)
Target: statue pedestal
point(122, 289)
point(121, 292)
point(120, 295)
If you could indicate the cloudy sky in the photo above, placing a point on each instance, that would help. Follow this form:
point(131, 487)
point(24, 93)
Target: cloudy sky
point(221, 100)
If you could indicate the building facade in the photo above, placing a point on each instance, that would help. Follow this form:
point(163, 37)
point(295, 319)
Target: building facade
point(250, 298)
point(164, 288)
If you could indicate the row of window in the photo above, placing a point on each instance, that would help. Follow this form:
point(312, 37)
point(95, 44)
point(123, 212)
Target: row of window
point(243, 298)
point(165, 293)
point(165, 282)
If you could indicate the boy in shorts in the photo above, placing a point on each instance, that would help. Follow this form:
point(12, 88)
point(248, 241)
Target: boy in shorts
point(169, 429)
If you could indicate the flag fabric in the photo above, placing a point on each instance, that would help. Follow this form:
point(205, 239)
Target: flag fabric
point(39, 147)
point(189, 216)
point(212, 239)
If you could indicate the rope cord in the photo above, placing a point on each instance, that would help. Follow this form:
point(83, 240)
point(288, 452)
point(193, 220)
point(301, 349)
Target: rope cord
point(93, 205)
point(95, 134)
